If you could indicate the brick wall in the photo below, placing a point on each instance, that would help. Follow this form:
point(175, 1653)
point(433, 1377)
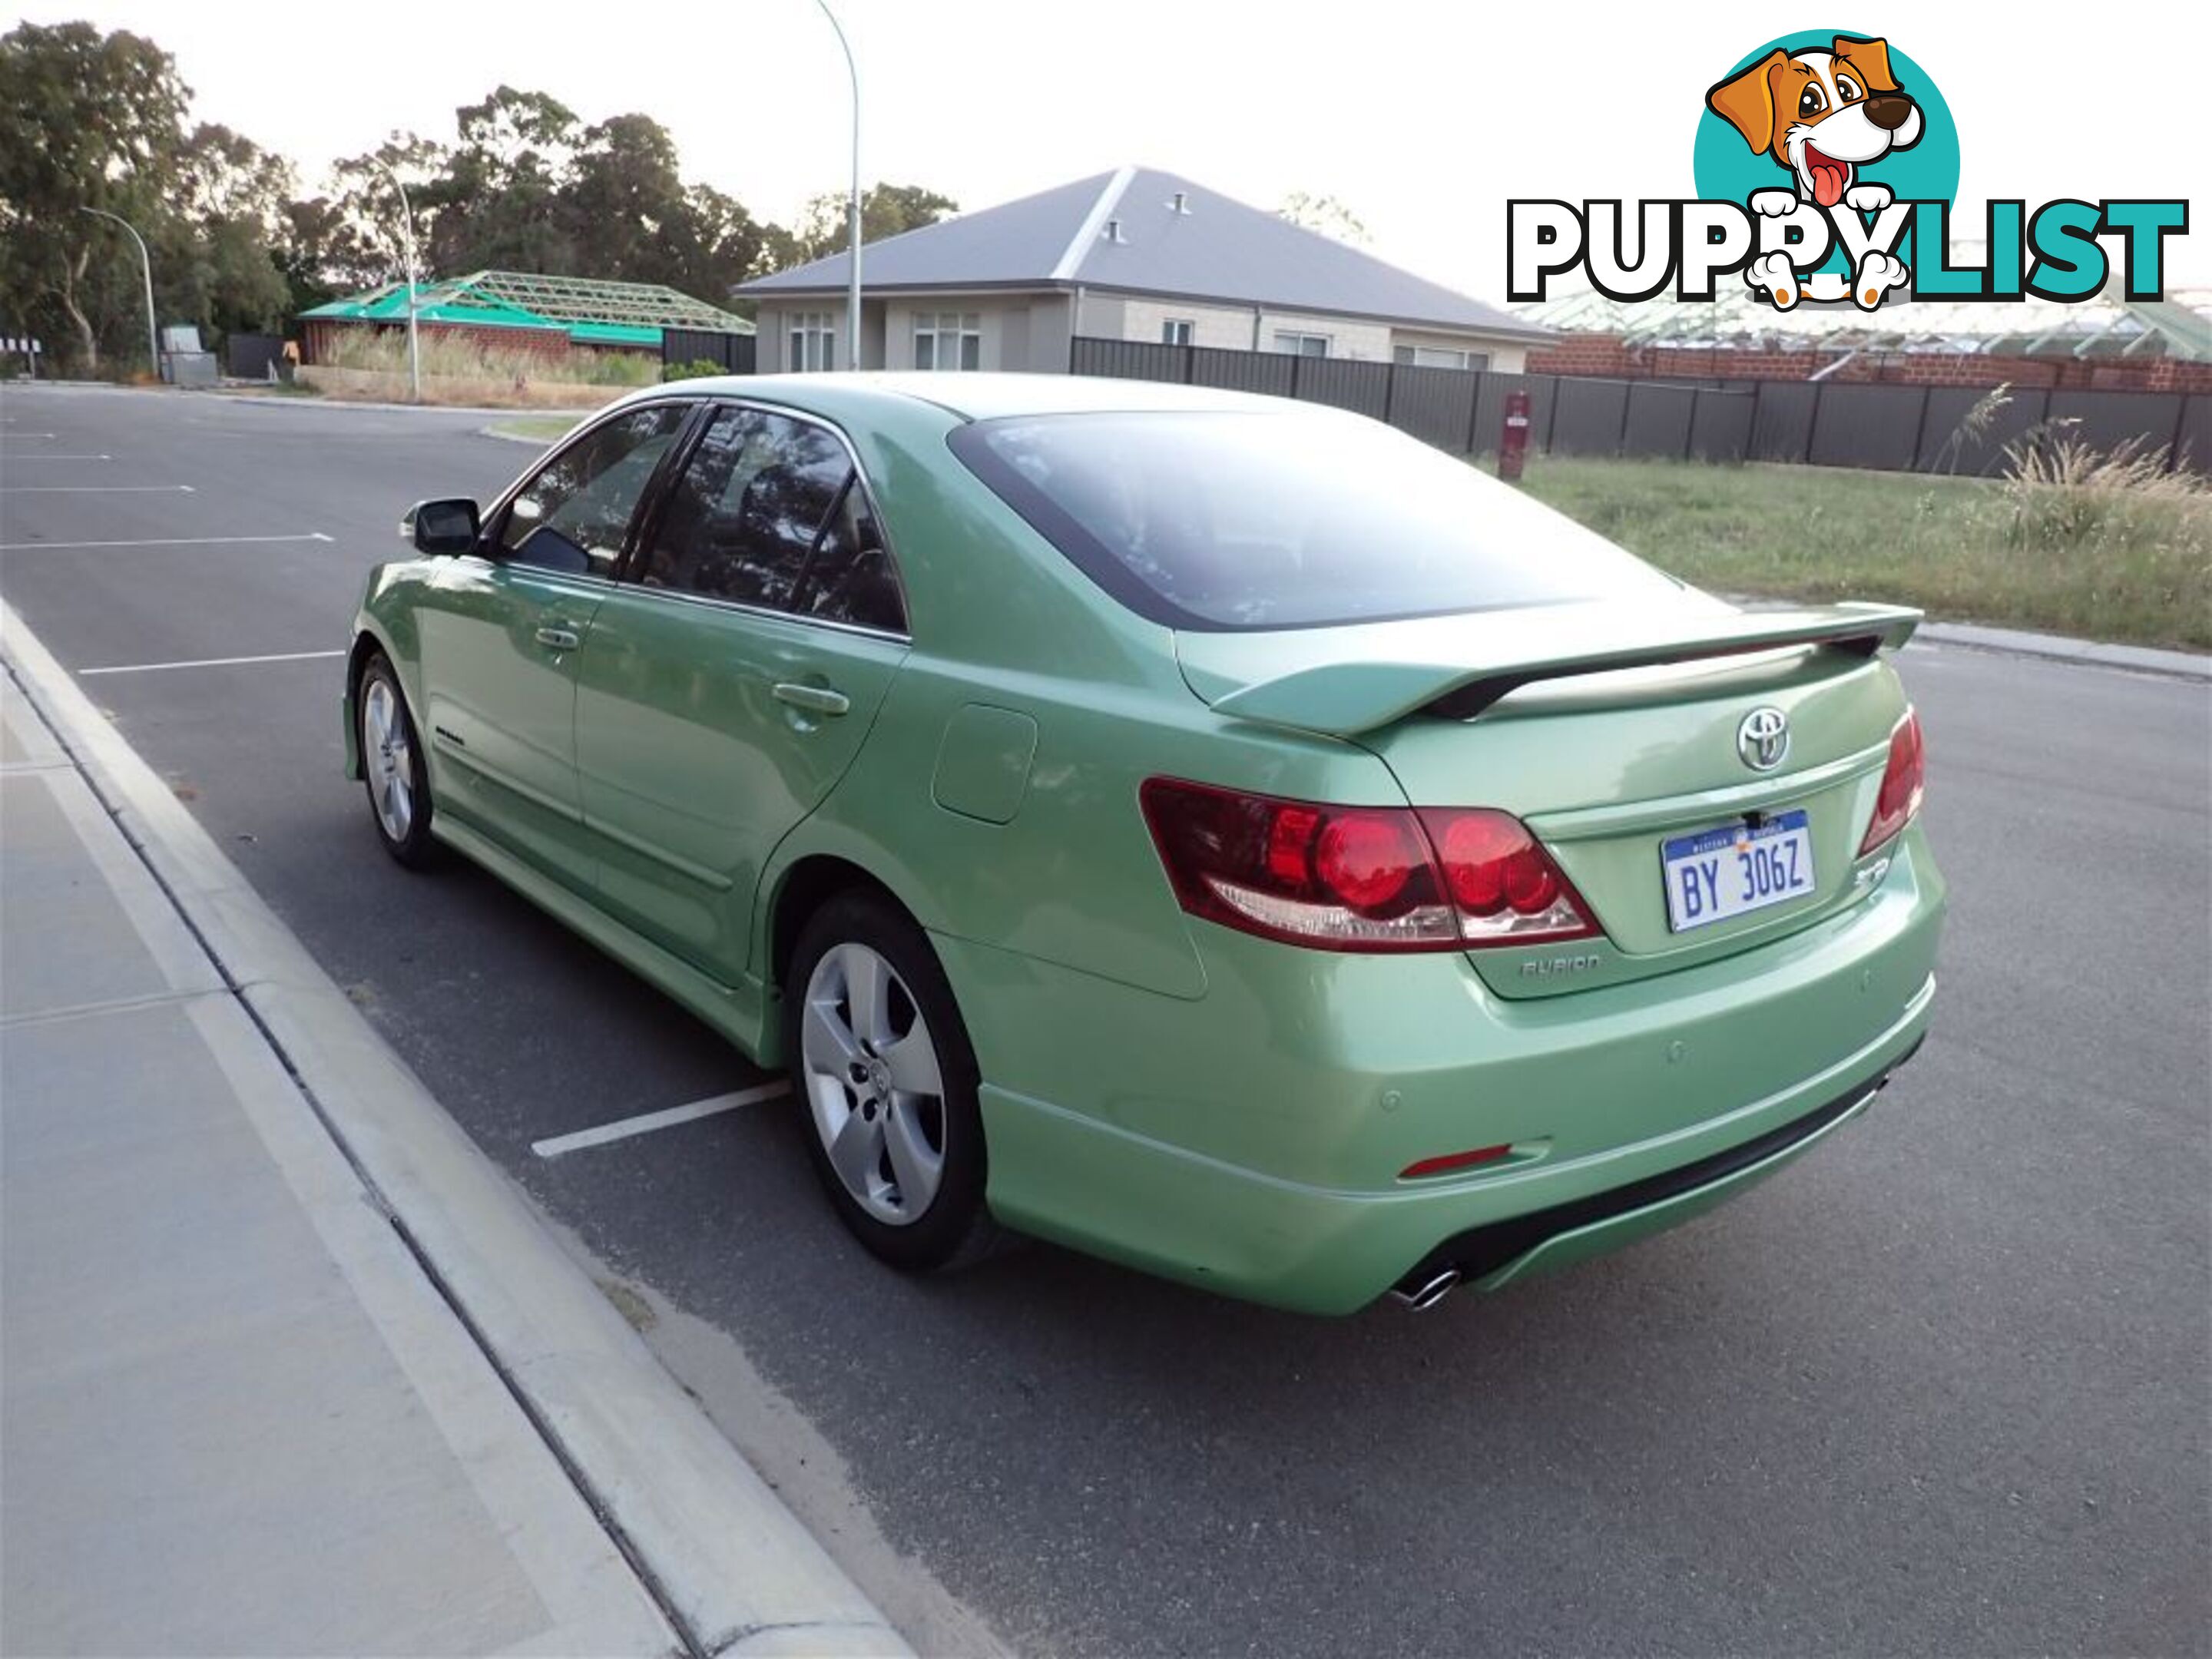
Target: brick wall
point(1609, 356)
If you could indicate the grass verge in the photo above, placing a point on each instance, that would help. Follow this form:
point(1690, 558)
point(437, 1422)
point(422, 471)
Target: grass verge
point(2116, 554)
point(537, 428)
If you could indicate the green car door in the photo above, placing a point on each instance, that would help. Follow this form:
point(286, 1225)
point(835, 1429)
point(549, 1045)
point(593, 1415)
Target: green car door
point(502, 632)
point(730, 678)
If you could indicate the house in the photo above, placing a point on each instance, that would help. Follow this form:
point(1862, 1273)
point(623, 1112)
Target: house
point(516, 309)
point(1137, 255)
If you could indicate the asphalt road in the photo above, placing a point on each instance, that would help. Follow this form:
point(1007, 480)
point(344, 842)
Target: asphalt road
point(1941, 1388)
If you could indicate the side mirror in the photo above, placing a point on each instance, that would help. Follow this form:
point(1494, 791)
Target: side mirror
point(449, 526)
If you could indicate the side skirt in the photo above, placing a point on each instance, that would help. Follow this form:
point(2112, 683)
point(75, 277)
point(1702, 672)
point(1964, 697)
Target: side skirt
point(742, 1013)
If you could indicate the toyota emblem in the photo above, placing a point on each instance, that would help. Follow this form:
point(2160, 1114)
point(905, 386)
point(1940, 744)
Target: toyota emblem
point(1763, 739)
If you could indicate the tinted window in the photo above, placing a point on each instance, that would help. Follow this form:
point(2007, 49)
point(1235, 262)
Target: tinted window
point(574, 515)
point(1235, 520)
point(742, 518)
point(851, 578)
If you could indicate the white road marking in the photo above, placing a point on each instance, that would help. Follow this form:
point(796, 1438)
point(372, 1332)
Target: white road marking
point(209, 662)
point(649, 1121)
point(169, 541)
point(96, 490)
point(59, 457)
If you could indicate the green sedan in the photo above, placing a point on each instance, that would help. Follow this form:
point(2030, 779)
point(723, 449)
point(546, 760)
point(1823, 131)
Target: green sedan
point(1223, 835)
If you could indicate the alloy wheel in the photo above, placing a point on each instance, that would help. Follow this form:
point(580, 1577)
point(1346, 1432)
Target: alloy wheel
point(390, 759)
point(875, 1089)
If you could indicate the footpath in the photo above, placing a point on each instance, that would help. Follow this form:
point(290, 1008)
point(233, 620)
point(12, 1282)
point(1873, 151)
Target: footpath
point(287, 1366)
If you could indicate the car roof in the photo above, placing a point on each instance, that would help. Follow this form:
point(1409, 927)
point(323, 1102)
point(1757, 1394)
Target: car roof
point(980, 397)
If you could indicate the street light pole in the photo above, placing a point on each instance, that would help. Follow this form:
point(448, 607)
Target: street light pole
point(414, 347)
point(852, 206)
point(145, 269)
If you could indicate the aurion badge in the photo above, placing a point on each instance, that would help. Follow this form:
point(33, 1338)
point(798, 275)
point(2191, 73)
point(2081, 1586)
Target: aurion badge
point(1762, 738)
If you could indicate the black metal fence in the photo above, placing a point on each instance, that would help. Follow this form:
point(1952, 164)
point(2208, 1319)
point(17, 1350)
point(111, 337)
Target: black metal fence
point(253, 356)
point(1816, 423)
point(736, 353)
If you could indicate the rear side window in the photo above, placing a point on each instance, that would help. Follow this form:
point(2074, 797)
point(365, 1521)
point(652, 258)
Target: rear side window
point(743, 519)
point(851, 578)
point(574, 515)
point(1233, 520)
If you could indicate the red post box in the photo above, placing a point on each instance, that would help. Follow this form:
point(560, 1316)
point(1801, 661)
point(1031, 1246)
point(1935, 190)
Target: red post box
point(1513, 442)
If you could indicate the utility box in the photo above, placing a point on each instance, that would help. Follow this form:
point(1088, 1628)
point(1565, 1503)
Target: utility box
point(183, 361)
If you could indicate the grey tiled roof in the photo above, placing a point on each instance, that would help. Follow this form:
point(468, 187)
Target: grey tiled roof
point(1216, 249)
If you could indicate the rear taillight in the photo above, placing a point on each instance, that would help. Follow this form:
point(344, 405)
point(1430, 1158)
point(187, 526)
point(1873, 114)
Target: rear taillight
point(1359, 877)
point(1904, 782)
point(1504, 885)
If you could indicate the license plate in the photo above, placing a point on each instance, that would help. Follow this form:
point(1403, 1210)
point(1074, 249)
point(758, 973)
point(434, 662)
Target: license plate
point(1733, 869)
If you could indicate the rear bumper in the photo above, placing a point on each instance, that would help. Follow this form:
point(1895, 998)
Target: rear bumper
point(1250, 1141)
point(1500, 1252)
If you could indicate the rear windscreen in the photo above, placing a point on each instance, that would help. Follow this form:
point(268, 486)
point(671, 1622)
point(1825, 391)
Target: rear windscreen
point(1229, 519)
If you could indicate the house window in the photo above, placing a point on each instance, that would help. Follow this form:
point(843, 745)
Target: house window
point(1301, 345)
point(813, 342)
point(948, 339)
point(1175, 331)
point(1440, 357)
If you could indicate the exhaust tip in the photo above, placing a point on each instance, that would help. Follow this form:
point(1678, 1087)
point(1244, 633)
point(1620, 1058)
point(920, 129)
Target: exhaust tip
point(1419, 1299)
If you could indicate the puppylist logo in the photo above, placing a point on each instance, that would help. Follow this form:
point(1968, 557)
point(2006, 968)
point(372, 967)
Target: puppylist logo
point(1825, 165)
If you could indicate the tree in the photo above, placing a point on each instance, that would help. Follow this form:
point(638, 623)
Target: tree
point(367, 223)
point(623, 205)
point(1324, 214)
point(220, 248)
point(731, 245)
point(324, 252)
point(89, 120)
point(497, 202)
point(885, 210)
point(86, 120)
point(94, 120)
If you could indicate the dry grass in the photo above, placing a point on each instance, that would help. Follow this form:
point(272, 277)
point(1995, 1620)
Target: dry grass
point(463, 357)
point(2108, 545)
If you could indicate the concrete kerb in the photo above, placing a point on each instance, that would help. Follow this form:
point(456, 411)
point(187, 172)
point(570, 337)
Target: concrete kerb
point(370, 406)
point(522, 437)
point(728, 1558)
point(2059, 648)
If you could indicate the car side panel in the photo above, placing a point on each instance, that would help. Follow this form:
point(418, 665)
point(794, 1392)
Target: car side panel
point(692, 768)
point(497, 704)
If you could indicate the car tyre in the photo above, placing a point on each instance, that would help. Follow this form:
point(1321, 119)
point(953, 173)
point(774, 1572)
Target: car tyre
point(393, 765)
point(886, 1083)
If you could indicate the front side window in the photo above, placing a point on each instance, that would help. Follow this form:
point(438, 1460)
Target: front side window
point(813, 342)
point(1301, 345)
point(742, 521)
point(575, 513)
point(948, 339)
point(1221, 521)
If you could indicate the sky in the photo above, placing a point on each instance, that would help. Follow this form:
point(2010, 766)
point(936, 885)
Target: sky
point(1422, 117)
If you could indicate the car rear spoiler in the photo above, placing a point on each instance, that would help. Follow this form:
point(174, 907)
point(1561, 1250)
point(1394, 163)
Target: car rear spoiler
point(1357, 693)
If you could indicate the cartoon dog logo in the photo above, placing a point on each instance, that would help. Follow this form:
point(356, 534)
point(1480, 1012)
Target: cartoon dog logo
point(1823, 115)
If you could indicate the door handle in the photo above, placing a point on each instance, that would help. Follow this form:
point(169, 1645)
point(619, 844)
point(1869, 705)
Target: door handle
point(814, 699)
point(559, 639)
